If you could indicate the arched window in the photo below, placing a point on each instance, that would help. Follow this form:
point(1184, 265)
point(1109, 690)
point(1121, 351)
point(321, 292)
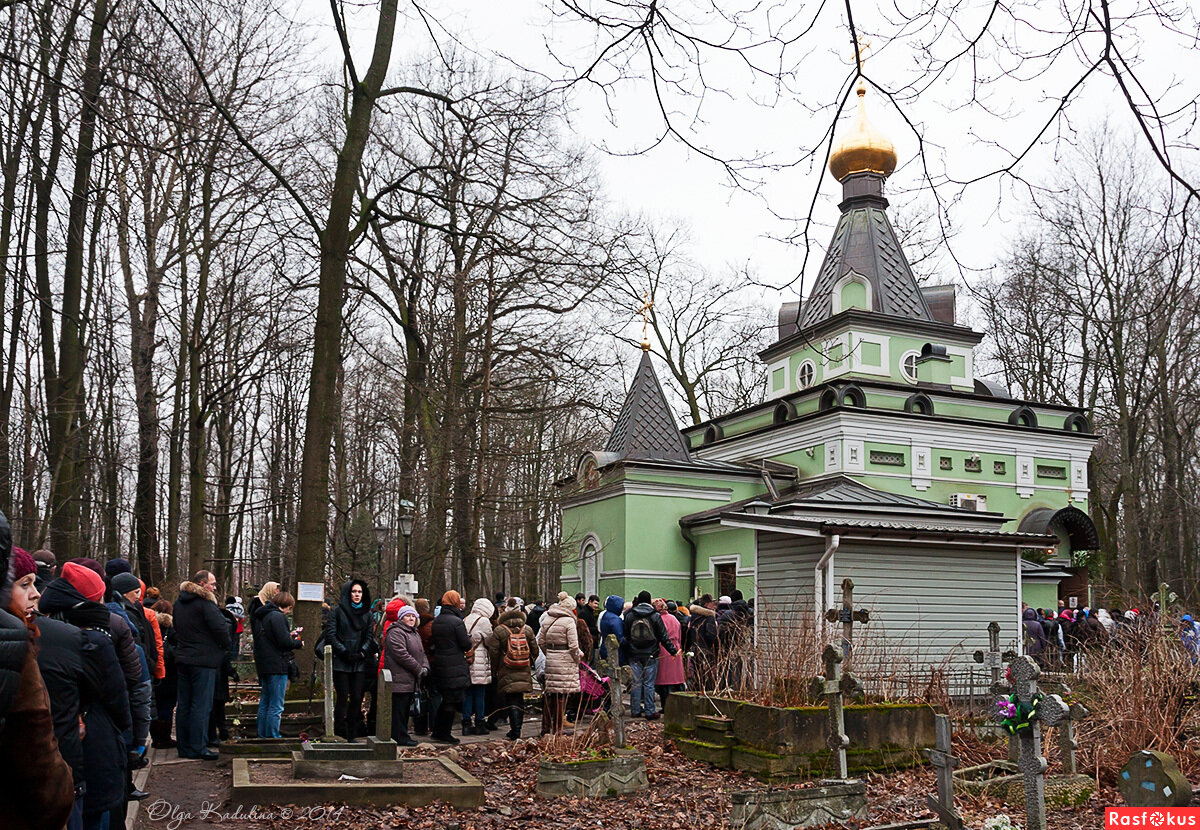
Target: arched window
point(919, 404)
point(853, 396)
point(1023, 416)
point(829, 399)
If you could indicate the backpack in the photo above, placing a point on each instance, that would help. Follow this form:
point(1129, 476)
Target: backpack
point(516, 654)
point(641, 633)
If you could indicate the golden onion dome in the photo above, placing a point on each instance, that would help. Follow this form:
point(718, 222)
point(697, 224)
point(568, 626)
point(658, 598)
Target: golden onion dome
point(864, 149)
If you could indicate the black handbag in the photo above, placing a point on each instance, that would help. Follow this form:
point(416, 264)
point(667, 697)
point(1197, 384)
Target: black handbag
point(293, 669)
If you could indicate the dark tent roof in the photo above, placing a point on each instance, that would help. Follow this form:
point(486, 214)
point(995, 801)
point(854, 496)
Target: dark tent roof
point(646, 428)
point(1069, 522)
point(865, 243)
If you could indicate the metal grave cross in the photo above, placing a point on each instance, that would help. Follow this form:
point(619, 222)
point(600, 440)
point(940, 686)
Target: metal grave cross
point(847, 616)
point(618, 676)
point(994, 659)
point(945, 763)
point(831, 686)
point(1050, 711)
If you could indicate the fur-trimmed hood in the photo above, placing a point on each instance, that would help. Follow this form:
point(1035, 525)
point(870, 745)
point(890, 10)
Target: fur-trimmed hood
point(513, 618)
point(196, 592)
point(700, 610)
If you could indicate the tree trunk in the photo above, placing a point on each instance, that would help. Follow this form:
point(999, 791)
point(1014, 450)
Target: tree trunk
point(336, 242)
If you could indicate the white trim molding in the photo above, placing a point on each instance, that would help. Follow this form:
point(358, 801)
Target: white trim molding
point(847, 278)
point(635, 487)
point(801, 385)
point(922, 470)
point(772, 368)
point(884, 369)
point(852, 455)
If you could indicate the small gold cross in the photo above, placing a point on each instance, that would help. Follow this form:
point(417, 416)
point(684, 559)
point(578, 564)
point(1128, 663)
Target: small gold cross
point(647, 304)
point(864, 45)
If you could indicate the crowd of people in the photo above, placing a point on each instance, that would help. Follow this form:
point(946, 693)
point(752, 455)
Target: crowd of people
point(1059, 638)
point(478, 664)
point(93, 667)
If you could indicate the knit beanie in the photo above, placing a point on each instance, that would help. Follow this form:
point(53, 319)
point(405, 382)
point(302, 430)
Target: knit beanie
point(451, 599)
point(21, 564)
point(84, 580)
point(124, 582)
point(116, 566)
point(644, 596)
point(408, 611)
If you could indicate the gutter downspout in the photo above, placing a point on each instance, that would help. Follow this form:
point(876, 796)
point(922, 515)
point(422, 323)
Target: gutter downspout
point(691, 540)
point(819, 590)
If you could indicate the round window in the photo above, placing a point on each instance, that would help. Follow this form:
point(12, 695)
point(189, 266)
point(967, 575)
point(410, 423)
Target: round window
point(806, 374)
point(908, 366)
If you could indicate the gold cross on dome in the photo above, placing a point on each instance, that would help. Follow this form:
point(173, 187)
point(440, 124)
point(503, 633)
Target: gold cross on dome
point(647, 304)
point(864, 45)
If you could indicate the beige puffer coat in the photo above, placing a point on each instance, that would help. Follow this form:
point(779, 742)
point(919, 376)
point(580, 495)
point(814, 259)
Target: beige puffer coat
point(559, 639)
point(479, 628)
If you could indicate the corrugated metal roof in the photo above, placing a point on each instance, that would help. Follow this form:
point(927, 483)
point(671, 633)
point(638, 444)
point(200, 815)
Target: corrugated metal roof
point(871, 524)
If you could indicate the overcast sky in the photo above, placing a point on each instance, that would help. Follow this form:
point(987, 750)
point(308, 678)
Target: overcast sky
point(968, 128)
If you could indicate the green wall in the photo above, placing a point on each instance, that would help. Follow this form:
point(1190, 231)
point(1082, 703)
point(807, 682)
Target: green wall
point(1040, 594)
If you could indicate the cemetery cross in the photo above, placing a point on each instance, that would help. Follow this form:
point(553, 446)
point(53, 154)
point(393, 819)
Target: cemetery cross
point(618, 676)
point(1045, 710)
point(945, 763)
point(831, 686)
point(847, 616)
point(994, 659)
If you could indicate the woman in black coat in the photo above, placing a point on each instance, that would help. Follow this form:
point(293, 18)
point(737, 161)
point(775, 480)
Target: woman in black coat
point(273, 647)
point(448, 664)
point(348, 631)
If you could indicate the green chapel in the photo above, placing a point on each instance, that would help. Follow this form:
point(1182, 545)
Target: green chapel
point(878, 456)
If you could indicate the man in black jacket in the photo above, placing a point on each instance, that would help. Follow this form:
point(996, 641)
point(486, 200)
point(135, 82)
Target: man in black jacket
point(644, 633)
point(85, 681)
point(202, 636)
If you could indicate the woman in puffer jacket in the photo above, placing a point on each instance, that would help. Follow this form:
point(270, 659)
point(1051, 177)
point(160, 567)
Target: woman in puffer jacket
point(559, 638)
point(479, 628)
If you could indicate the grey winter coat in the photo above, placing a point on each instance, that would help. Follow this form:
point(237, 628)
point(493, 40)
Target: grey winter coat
point(404, 656)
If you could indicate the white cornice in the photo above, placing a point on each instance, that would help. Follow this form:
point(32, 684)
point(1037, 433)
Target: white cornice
point(865, 425)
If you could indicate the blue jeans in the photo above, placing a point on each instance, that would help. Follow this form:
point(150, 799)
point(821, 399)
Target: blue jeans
point(196, 687)
point(473, 703)
point(270, 704)
point(641, 696)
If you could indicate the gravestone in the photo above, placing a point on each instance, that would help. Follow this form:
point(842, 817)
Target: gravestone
point(329, 727)
point(383, 706)
point(1152, 779)
point(941, 758)
point(847, 616)
point(1047, 710)
point(618, 676)
point(831, 686)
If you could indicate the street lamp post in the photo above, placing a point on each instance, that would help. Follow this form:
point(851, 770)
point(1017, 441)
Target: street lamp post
point(406, 529)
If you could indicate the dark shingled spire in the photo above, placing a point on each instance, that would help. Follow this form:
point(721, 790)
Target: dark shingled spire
point(864, 242)
point(645, 428)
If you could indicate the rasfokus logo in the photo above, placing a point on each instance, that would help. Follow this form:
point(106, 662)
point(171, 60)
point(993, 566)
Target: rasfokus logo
point(1152, 817)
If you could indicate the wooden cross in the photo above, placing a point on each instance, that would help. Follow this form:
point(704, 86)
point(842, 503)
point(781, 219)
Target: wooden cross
point(831, 686)
point(647, 304)
point(945, 762)
point(847, 616)
point(1050, 711)
point(618, 676)
point(864, 44)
